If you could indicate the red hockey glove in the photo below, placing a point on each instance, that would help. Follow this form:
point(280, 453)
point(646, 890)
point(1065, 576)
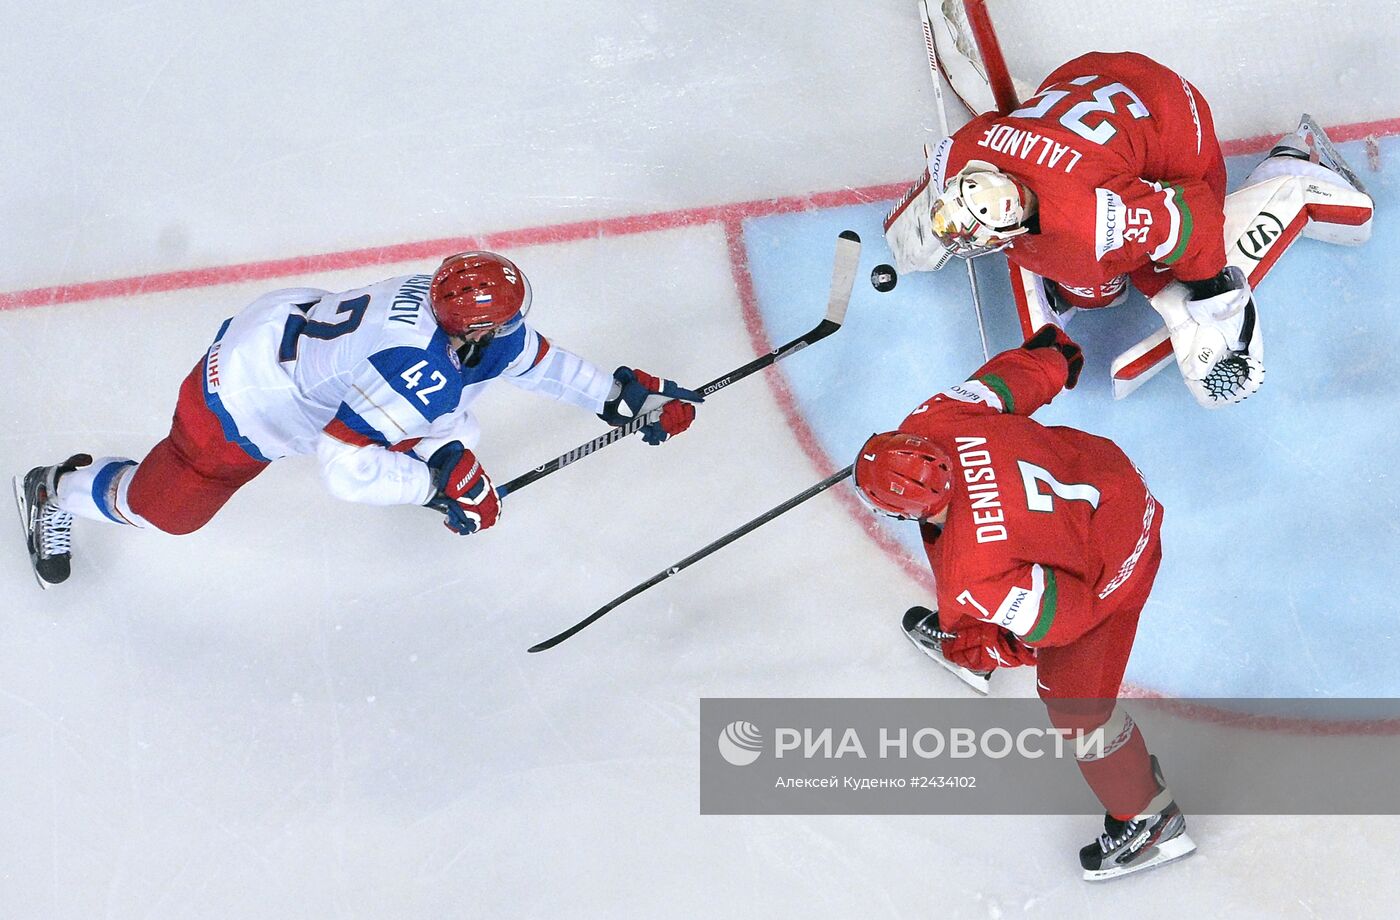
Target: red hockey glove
point(636, 393)
point(1052, 336)
point(464, 493)
point(981, 647)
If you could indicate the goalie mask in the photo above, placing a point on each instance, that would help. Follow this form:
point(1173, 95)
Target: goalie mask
point(981, 211)
point(904, 476)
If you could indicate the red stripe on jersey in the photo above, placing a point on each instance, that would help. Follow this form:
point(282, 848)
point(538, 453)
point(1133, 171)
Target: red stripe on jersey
point(404, 447)
point(343, 432)
point(544, 350)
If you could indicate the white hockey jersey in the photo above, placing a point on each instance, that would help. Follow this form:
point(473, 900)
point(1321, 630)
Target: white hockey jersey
point(367, 381)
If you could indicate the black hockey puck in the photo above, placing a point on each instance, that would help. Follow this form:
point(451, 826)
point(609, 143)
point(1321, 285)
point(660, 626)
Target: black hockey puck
point(883, 278)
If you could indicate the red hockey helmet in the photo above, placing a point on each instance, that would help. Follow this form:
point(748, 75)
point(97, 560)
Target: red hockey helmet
point(479, 291)
point(903, 475)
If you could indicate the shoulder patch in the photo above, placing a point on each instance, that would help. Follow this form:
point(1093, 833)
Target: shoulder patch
point(424, 377)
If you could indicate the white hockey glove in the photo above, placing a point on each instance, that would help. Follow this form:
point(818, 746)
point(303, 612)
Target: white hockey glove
point(1218, 345)
point(909, 230)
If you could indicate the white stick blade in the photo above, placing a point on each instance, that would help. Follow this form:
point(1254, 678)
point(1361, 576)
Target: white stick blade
point(843, 275)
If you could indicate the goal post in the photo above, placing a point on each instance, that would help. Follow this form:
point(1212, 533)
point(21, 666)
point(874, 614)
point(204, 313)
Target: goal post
point(985, 35)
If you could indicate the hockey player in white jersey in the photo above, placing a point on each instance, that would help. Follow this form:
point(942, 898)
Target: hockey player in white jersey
point(376, 382)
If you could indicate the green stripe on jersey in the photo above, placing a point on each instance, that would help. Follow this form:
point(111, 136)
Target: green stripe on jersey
point(999, 387)
point(1047, 608)
point(1187, 222)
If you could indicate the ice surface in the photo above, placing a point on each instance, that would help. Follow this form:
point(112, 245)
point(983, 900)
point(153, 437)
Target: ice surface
point(313, 709)
point(1300, 478)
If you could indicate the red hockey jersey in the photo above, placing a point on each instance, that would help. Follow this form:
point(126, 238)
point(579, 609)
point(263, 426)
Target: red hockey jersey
point(1046, 523)
point(1122, 157)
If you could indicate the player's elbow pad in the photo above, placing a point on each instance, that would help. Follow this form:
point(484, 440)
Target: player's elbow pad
point(345, 474)
point(372, 475)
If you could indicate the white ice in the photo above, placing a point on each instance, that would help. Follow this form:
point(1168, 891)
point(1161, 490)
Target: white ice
point(314, 709)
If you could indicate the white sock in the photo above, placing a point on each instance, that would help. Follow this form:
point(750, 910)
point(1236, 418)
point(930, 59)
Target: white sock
point(99, 492)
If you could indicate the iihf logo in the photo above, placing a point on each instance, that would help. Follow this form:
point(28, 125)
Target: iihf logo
point(740, 743)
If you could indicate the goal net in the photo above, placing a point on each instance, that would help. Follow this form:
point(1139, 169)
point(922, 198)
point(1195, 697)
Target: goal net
point(1260, 63)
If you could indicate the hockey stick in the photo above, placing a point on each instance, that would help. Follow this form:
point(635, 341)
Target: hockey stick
point(977, 308)
point(1140, 363)
point(843, 278)
point(943, 126)
point(695, 557)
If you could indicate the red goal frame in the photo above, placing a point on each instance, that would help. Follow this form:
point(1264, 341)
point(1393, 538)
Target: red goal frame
point(989, 47)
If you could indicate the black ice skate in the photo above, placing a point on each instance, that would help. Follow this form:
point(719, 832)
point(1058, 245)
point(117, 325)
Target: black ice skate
point(1146, 841)
point(921, 626)
point(47, 530)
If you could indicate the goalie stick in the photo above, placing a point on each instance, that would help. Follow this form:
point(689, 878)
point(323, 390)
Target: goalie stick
point(695, 557)
point(943, 126)
point(843, 278)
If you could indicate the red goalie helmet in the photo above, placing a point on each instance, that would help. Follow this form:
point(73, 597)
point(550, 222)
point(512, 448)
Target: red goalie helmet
point(479, 291)
point(906, 476)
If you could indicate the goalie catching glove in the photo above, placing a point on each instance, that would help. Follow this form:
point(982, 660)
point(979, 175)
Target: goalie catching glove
point(463, 491)
point(636, 393)
point(1215, 335)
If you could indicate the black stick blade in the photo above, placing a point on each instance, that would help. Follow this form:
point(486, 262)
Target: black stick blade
point(696, 556)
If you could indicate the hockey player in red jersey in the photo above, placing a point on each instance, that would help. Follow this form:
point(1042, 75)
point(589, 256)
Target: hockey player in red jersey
point(1112, 173)
point(1044, 543)
point(376, 383)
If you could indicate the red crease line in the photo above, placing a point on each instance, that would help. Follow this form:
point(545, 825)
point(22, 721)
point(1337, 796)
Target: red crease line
point(534, 236)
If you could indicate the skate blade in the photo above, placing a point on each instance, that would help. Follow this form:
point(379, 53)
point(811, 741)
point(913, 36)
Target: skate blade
point(1179, 847)
point(982, 683)
point(23, 507)
point(1328, 153)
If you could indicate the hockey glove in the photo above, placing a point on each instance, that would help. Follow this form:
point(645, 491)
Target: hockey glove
point(464, 493)
point(636, 393)
point(981, 646)
point(1215, 335)
point(1052, 336)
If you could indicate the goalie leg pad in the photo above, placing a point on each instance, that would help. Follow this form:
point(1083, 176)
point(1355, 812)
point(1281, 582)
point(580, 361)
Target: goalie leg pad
point(1329, 209)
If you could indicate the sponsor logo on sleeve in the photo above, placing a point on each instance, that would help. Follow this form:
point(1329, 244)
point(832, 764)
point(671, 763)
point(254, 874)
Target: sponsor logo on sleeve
point(971, 391)
point(938, 164)
point(1109, 223)
point(211, 368)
